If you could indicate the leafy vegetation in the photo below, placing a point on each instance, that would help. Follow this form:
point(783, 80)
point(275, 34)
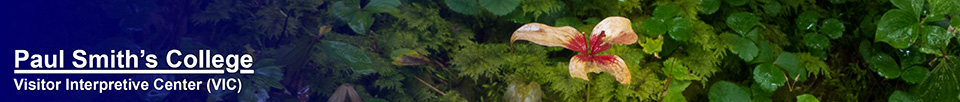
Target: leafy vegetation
point(688, 50)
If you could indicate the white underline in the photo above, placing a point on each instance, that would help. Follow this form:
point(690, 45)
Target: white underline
point(127, 71)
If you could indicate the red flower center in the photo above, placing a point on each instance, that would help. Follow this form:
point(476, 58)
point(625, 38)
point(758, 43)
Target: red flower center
point(592, 47)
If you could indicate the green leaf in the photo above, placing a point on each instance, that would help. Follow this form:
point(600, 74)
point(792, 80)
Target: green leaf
point(910, 57)
point(915, 74)
point(898, 28)
point(342, 11)
point(500, 7)
point(757, 91)
point(655, 26)
point(816, 41)
point(675, 91)
point(866, 49)
point(766, 50)
point(955, 23)
point(941, 83)
point(741, 22)
point(772, 8)
point(652, 46)
point(832, 27)
point(349, 54)
point(936, 39)
point(769, 76)
point(709, 6)
point(807, 98)
point(468, 7)
point(737, 2)
point(384, 6)
point(791, 63)
point(725, 91)
point(361, 22)
point(911, 6)
point(743, 47)
point(666, 11)
point(900, 96)
point(884, 65)
point(677, 70)
point(807, 20)
point(680, 29)
point(753, 35)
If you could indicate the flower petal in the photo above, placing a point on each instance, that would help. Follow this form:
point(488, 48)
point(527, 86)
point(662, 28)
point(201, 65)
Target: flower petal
point(618, 30)
point(580, 65)
point(545, 35)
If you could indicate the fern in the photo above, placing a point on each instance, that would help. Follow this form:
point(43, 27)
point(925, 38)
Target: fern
point(216, 10)
point(814, 65)
point(540, 7)
point(422, 29)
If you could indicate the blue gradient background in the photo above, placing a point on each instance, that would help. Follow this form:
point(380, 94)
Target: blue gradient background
point(45, 26)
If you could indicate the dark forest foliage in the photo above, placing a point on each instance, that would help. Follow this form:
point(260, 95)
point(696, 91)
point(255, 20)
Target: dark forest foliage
point(460, 50)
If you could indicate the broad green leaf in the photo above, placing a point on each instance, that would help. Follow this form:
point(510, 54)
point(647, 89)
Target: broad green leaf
point(709, 6)
point(384, 6)
point(655, 26)
point(765, 54)
point(680, 29)
point(912, 6)
point(772, 8)
point(910, 57)
point(500, 7)
point(936, 39)
point(942, 82)
point(675, 91)
point(807, 20)
point(915, 74)
point(791, 63)
point(955, 23)
point(866, 49)
point(741, 22)
point(468, 7)
point(898, 28)
point(725, 91)
point(833, 28)
point(900, 96)
point(807, 98)
point(769, 76)
point(931, 19)
point(342, 11)
point(348, 54)
point(743, 47)
point(884, 65)
point(677, 70)
point(816, 41)
point(737, 2)
point(666, 11)
point(753, 35)
point(360, 22)
point(757, 91)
